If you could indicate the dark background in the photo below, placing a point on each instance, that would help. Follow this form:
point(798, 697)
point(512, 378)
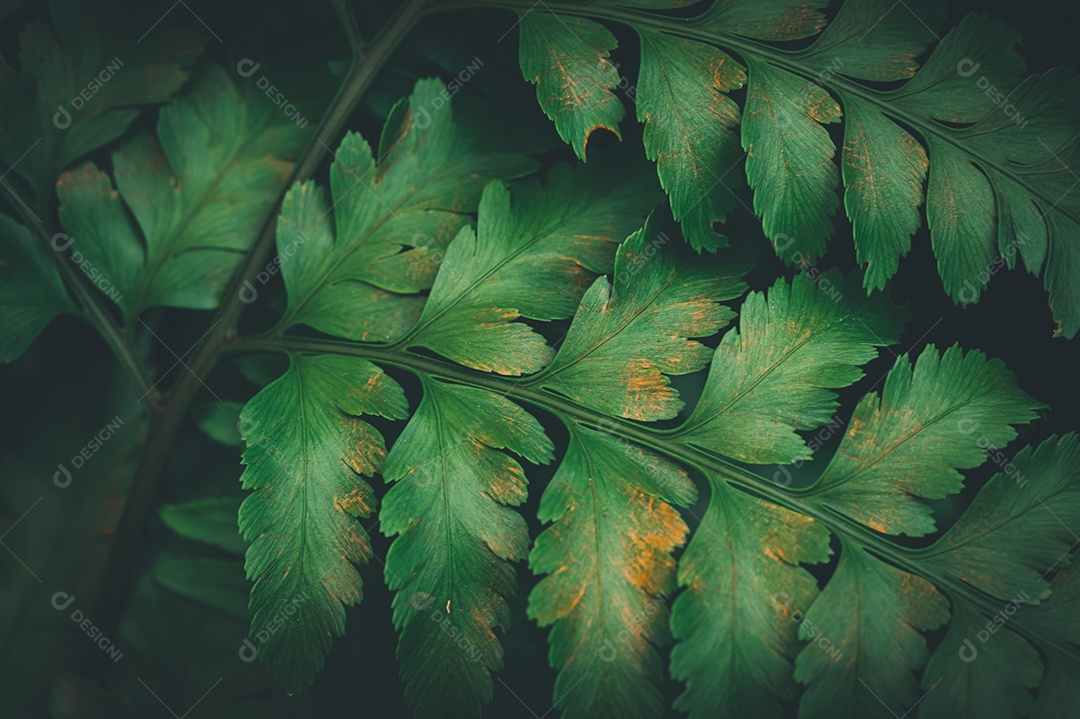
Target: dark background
point(1011, 322)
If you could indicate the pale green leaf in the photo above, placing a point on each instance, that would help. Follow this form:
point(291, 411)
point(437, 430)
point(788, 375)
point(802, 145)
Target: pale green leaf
point(609, 568)
point(627, 337)
point(450, 565)
point(536, 249)
point(772, 375)
point(930, 421)
point(352, 266)
point(307, 448)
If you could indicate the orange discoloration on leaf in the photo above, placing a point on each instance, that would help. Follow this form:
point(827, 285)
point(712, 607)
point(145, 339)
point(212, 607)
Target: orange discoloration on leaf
point(801, 20)
point(357, 502)
point(620, 539)
point(365, 452)
point(726, 75)
point(614, 130)
point(822, 108)
point(644, 378)
point(372, 381)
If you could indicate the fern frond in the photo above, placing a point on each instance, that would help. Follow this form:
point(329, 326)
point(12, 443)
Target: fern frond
point(216, 144)
point(993, 148)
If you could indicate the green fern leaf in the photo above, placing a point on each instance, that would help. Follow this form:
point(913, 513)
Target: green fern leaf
point(307, 448)
point(744, 584)
point(1009, 540)
point(211, 521)
point(215, 145)
point(509, 305)
point(1058, 693)
point(1056, 616)
point(82, 82)
point(217, 583)
point(609, 566)
point(689, 127)
point(867, 40)
point(930, 421)
point(767, 19)
point(994, 147)
point(607, 556)
point(351, 264)
point(532, 255)
point(566, 58)
point(31, 293)
point(991, 681)
point(773, 375)
point(628, 337)
point(450, 565)
point(221, 421)
point(866, 605)
point(791, 170)
point(884, 169)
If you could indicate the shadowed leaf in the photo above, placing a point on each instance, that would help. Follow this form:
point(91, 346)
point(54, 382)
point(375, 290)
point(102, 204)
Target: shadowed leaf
point(736, 623)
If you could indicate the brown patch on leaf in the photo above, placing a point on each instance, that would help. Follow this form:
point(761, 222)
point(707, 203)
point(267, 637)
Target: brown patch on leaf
point(365, 450)
point(357, 502)
point(799, 21)
point(648, 392)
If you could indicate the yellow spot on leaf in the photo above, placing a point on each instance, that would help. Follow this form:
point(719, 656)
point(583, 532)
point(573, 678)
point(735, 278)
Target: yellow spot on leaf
point(355, 503)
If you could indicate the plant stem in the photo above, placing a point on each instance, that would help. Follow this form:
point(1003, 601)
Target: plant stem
point(794, 500)
point(165, 422)
point(93, 310)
